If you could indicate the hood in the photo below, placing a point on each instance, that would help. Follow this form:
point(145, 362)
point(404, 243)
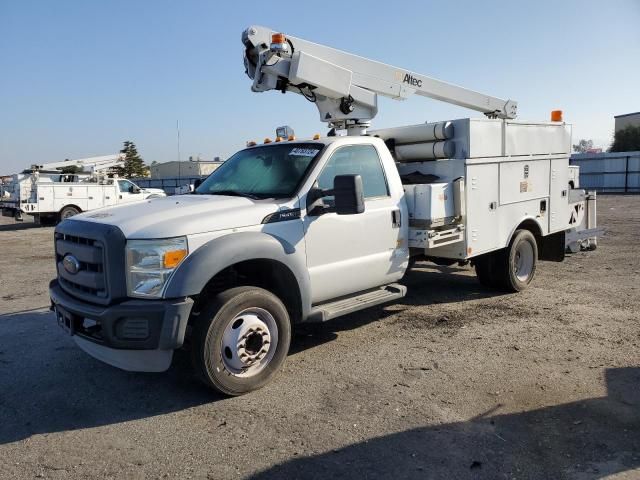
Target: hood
point(154, 191)
point(181, 215)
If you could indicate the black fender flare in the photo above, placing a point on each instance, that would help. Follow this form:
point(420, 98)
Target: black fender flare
point(214, 256)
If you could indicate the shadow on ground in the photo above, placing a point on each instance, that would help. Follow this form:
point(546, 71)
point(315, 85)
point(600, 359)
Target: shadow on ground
point(47, 384)
point(589, 439)
point(427, 284)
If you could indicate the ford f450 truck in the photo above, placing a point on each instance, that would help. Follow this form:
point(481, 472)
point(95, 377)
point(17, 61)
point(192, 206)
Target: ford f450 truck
point(308, 230)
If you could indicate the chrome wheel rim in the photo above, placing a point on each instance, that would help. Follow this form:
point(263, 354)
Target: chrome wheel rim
point(523, 261)
point(249, 342)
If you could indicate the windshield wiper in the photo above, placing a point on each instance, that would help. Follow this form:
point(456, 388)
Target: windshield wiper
point(235, 193)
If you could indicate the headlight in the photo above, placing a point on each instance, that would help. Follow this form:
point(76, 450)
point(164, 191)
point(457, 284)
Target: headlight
point(150, 263)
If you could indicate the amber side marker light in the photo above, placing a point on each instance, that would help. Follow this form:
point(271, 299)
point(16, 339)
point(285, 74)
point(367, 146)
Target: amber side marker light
point(556, 115)
point(173, 258)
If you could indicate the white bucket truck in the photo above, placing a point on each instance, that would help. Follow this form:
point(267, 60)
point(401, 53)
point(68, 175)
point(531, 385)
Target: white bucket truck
point(306, 230)
point(48, 195)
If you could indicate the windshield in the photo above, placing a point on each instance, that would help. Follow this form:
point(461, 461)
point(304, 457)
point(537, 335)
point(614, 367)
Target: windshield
point(273, 171)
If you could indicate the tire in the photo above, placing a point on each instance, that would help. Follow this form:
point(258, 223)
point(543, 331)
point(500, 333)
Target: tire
point(230, 350)
point(68, 212)
point(515, 266)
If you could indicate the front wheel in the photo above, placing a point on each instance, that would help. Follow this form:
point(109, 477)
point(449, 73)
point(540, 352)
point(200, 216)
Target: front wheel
point(241, 340)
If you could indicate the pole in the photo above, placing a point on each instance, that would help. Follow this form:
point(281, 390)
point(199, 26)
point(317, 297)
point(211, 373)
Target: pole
point(178, 132)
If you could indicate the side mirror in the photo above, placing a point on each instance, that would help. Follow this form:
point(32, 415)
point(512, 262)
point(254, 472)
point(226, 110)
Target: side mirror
point(348, 194)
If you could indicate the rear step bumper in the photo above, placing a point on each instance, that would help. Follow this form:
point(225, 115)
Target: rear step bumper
point(358, 301)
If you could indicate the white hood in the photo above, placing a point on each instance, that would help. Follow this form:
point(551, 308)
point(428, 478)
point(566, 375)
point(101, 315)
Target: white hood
point(181, 215)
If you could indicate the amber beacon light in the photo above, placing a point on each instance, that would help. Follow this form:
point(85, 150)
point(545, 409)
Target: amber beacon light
point(556, 115)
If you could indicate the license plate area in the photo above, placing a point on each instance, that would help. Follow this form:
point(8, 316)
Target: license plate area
point(66, 320)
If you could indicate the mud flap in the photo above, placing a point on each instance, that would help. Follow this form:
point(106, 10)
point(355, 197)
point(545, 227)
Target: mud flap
point(552, 247)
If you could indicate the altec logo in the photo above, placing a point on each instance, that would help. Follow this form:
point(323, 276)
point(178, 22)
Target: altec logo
point(409, 79)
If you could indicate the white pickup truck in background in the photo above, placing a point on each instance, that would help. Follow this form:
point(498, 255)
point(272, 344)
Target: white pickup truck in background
point(307, 230)
point(50, 196)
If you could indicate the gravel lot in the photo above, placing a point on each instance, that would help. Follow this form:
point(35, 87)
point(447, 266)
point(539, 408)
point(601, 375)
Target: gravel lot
point(454, 381)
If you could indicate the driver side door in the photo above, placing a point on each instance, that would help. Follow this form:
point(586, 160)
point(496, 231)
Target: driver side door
point(127, 191)
point(351, 253)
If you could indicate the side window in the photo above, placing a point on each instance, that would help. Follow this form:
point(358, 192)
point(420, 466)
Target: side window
point(360, 160)
point(124, 185)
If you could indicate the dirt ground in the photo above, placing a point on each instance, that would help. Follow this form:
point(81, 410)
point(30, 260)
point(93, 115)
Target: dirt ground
point(454, 381)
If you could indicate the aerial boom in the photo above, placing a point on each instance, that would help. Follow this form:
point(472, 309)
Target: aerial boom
point(344, 86)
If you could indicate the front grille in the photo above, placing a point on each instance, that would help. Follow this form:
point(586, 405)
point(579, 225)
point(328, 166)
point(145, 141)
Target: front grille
point(90, 278)
point(99, 250)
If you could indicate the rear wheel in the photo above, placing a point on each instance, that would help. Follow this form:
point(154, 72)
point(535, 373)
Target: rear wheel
point(516, 265)
point(241, 340)
point(68, 212)
point(511, 269)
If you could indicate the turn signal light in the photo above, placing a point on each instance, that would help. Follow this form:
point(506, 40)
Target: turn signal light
point(556, 115)
point(172, 258)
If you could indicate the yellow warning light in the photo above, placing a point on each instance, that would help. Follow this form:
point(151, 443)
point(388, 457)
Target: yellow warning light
point(556, 115)
point(267, 140)
point(316, 136)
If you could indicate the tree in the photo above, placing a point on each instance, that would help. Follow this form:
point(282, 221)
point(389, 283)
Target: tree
point(626, 140)
point(583, 146)
point(133, 163)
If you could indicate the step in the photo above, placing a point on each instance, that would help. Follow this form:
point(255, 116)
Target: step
point(359, 301)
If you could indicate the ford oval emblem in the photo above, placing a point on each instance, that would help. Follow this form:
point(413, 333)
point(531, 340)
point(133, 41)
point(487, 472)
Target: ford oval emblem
point(71, 264)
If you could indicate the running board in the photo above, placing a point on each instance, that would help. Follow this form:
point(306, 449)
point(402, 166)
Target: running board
point(359, 301)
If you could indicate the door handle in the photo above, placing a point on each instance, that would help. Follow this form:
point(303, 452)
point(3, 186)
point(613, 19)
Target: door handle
point(396, 218)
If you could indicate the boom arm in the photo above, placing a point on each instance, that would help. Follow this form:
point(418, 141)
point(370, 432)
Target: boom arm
point(93, 164)
point(345, 86)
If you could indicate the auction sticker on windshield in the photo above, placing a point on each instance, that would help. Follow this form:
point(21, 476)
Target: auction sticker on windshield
point(304, 152)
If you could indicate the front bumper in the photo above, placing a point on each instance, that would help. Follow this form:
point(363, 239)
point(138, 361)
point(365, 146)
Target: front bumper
point(136, 335)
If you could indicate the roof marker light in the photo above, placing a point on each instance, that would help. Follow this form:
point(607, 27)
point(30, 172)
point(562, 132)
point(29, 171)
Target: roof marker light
point(316, 136)
point(556, 115)
point(267, 140)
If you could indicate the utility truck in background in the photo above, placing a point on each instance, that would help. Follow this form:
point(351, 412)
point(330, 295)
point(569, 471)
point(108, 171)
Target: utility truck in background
point(49, 196)
point(306, 230)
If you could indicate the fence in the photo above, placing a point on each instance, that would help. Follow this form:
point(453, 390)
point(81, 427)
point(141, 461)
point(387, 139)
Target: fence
point(617, 172)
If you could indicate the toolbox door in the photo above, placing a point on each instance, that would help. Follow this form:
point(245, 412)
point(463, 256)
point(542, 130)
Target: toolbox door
point(482, 190)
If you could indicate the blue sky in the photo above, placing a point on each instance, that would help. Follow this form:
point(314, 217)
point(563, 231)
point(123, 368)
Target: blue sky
point(79, 77)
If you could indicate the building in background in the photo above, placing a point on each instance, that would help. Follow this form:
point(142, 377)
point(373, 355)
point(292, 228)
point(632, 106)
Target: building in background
point(623, 121)
point(183, 169)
